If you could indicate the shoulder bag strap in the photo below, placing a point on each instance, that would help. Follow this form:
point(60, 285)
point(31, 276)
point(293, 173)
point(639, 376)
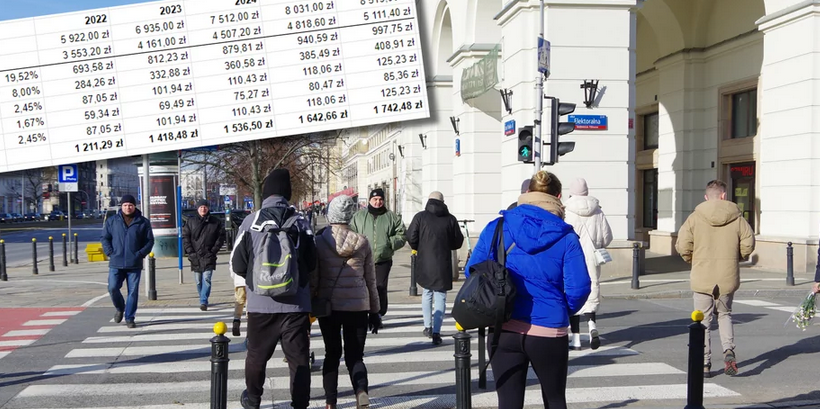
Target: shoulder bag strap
point(501, 298)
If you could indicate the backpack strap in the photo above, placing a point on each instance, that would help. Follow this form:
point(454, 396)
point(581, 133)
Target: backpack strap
point(500, 299)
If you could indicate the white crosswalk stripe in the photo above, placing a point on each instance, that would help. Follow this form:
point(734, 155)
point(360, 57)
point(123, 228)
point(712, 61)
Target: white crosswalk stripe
point(164, 363)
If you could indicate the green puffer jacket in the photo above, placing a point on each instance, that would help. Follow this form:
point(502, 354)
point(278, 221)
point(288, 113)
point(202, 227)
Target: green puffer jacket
point(385, 233)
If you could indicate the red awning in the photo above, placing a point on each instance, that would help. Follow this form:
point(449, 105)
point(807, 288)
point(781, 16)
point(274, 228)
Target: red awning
point(349, 192)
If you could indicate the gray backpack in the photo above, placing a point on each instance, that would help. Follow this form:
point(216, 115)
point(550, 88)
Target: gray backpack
point(275, 269)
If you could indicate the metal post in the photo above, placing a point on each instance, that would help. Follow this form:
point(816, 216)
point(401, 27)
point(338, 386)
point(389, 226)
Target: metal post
point(34, 256)
point(537, 141)
point(789, 264)
point(463, 382)
point(482, 358)
point(694, 388)
point(50, 253)
point(76, 249)
point(636, 266)
point(3, 275)
point(414, 290)
point(219, 367)
point(454, 264)
point(65, 251)
point(152, 277)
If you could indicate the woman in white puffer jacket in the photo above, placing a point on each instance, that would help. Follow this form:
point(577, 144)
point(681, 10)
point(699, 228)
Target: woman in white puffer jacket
point(586, 217)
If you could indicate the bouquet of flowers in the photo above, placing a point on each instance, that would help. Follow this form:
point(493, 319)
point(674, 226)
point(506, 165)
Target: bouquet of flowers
point(803, 315)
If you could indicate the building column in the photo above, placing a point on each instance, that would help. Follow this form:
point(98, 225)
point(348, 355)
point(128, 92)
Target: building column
point(789, 105)
point(436, 141)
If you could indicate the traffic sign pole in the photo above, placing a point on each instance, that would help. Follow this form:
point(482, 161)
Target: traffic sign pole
point(537, 144)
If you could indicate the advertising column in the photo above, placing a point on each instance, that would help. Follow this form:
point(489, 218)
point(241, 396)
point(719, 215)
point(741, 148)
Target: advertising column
point(163, 209)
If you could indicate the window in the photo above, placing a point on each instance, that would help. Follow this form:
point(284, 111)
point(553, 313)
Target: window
point(650, 131)
point(744, 114)
point(650, 198)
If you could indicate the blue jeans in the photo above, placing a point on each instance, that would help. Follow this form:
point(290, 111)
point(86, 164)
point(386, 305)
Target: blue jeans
point(203, 287)
point(115, 279)
point(433, 304)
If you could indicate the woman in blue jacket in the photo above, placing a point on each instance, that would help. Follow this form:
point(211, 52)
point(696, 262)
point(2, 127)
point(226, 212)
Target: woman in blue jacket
point(548, 269)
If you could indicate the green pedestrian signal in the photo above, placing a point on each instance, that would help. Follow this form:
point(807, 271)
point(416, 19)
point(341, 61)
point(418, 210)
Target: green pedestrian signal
point(525, 152)
point(525, 144)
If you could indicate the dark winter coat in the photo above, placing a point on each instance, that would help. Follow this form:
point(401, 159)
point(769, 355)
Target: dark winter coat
point(817, 271)
point(126, 246)
point(202, 237)
point(434, 234)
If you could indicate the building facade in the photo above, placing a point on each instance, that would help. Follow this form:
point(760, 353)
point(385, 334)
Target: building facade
point(115, 178)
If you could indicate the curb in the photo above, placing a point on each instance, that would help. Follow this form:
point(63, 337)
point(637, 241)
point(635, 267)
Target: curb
point(772, 293)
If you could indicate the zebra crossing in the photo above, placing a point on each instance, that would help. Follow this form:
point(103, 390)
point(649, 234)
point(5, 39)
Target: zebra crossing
point(164, 363)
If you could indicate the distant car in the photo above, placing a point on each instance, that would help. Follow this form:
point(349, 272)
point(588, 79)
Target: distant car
point(6, 218)
point(56, 215)
point(17, 217)
point(32, 217)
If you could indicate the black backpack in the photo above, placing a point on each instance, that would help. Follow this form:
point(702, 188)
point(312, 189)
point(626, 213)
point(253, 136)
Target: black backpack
point(486, 298)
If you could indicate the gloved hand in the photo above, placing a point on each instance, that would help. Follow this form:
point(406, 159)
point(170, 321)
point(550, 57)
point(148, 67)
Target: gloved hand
point(374, 321)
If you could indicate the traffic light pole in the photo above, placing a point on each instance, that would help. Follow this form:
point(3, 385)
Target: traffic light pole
point(537, 145)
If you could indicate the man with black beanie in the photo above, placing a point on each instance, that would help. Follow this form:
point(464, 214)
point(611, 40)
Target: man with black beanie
point(385, 232)
point(202, 237)
point(284, 318)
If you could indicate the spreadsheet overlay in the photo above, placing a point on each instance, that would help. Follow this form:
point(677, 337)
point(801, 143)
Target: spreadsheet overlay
point(169, 75)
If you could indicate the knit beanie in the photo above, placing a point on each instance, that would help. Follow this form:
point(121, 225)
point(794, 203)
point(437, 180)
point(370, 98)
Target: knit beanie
point(277, 183)
point(202, 202)
point(341, 210)
point(377, 192)
point(128, 199)
point(578, 187)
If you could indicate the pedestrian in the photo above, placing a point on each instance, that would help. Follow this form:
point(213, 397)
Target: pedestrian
point(284, 318)
point(202, 237)
point(584, 214)
point(240, 298)
point(385, 233)
point(714, 238)
point(816, 286)
point(546, 265)
point(434, 233)
point(127, 238)
point(525, 187)
point(346, 276)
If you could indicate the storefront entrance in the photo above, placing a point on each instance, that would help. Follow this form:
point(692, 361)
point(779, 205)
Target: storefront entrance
point(743, 189)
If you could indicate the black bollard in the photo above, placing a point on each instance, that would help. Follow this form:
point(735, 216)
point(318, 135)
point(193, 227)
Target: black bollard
point(34, 256)
point(694, 380)
point(482, 359)
point(76, 249)
point(3, 275)
point(219, 367)
point(50, 253)
point(414, 290)
point(636, 266)
point(152, 277)
point(463, 382)
point(789, 264)
point(65, 252)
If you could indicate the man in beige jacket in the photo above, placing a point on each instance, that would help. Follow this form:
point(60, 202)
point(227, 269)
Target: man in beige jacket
point(714, 238)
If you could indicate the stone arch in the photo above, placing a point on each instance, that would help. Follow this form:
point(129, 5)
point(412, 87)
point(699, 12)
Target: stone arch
point(666, 25)
point(442, 40)
point(481, 27)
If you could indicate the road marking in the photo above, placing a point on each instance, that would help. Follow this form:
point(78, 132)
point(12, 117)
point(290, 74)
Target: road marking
point(60, 313)
point(38, 323)
point(756, 303)
point(94, 300)
point(790, 310)
point(4, 354)
point(26, 332)
point(17, 343)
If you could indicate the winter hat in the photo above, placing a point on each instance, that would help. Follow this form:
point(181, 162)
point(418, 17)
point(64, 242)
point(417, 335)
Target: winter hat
point(377, 192)
point(202, 202)
point(525, 186)
point(578, 187)
point(277, 183)
point(341, 210)
point(437, 195)
point(128, 199)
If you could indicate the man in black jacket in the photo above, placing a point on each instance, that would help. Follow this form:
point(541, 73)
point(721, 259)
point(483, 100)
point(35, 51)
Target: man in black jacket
point(816, 286)
point(202, 237)
point(434, 233)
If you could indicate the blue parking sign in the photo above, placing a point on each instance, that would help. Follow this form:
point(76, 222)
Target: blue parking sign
point(67, 174)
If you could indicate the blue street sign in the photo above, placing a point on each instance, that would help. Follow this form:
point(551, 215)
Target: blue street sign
point(590, 122)
point(544, 56)
point(509, 127)
point(67, 174)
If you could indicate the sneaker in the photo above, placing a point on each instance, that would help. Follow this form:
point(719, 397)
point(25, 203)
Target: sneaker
point(312, 359)
point(245, 400)
point(362, 400)
point(236, 324)
point(118, 317)
point(575, 343)
point(731, 363)
point(707, 371)
point(427, 332)
point(203, 307)
point(594, 339)
point(436, 339)
point(130, 324)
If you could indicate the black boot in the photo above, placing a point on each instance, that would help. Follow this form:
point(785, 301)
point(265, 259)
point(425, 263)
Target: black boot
point(236, 324)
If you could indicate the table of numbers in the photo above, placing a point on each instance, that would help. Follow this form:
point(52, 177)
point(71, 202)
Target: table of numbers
point(169, 75)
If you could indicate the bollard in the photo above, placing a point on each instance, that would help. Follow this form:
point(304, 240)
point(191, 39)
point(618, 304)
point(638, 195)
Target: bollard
point(219, 367)
point(76, 250)
point(636, 266)
point(414, 290)
point(789, 264)
point(3, 275)
point(34, 256)
point(463, 382)
point(50, 253)
point(152, 277)
point(65, 252)
point(482, 359)
point(694, 380)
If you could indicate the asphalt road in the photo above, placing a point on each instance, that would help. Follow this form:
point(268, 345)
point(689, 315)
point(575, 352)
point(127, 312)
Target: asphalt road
point(18, 240)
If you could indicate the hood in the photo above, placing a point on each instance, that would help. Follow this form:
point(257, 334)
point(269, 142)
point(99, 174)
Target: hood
point(584, 206)
point(534, 229)
point(437, 208)
point(342, 240)
point(718, 212)
point(276, 208)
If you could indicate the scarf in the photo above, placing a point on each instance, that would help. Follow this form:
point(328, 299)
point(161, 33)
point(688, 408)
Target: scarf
point(376, 212)
point(547, 202)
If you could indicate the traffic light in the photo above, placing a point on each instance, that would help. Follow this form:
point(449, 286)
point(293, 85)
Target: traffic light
point(525, 143)
point(559, 128)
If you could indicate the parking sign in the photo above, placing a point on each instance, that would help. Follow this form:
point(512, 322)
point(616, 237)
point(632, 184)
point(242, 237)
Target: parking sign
point(67, 176)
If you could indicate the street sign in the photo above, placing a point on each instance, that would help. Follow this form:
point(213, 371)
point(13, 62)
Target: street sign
point(590, 122)
point(509, 127)
point(544, 56)
point(67, 176)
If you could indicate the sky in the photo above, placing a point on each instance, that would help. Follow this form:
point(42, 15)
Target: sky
point(14, 9)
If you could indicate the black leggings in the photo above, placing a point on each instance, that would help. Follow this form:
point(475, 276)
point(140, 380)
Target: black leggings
point(575, 322)
point(549, 358)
